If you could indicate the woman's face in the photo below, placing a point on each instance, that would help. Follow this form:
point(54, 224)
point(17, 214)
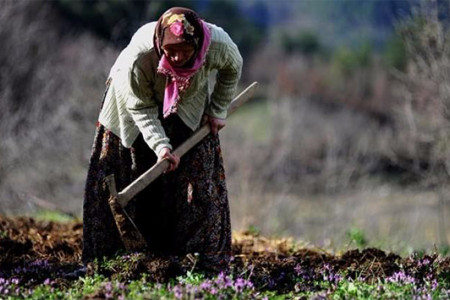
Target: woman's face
point(179, 54)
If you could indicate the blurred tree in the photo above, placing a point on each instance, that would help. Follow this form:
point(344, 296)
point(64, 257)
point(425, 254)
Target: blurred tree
point(244, 30)
point(156, 8)
point(113, 20)
point(306, 42)
point(395, 53)
point(117, 20)
point(349, 21)
point(346, 60)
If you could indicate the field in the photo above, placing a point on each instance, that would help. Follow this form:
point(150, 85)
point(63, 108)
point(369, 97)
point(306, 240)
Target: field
point(41, 260)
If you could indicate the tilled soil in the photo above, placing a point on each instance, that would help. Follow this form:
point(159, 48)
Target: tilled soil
point(34, 251)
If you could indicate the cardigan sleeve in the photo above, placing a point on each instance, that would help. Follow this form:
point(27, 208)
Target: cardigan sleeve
point(144, 110)
point(227, 78)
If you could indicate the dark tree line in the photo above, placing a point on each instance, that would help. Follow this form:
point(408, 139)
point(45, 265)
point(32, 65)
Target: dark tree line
point(116, 21)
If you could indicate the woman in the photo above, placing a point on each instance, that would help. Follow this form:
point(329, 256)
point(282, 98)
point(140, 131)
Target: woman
point(157, 96)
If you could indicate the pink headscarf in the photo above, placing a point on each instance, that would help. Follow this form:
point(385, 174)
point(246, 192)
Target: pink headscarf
point(180, 25)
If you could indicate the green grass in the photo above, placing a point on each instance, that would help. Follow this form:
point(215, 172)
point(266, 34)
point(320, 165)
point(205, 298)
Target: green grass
point(305, 284)
point(357, 237)
point(196, 286)
point(53, 216)
point(253, 119)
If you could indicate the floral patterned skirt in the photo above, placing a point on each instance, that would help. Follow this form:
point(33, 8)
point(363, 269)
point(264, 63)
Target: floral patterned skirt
point(184, 211)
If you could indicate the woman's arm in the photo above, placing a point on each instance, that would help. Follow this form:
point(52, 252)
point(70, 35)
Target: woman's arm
point(144, 110)
point(229, 69)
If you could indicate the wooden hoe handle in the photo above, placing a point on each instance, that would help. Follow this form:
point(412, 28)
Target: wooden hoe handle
point(154, 172)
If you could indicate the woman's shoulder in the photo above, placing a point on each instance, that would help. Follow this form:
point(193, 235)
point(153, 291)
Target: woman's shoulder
point(221, 46)
point(141, 44)
point(218, 34)
point(144, 33)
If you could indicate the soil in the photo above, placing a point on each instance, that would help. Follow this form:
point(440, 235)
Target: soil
point(34, 251)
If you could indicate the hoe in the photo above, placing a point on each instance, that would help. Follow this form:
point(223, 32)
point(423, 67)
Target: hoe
point(130, 234)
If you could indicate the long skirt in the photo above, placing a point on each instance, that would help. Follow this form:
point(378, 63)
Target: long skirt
point(183, 211)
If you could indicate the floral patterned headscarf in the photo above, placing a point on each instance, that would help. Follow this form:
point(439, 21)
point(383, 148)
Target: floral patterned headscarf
point(180, 25)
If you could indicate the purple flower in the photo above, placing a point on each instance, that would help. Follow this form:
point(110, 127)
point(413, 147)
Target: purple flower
point(47, 281)
point(178, 292)
point(336, 278)
point(298, 269)
point(205, 285)
point(401, 277)
point(121, 286)
point(108, 287)
point(221, 275)
point(434, 284)
point(223, 281)
point(239, 285)
point(250, 284)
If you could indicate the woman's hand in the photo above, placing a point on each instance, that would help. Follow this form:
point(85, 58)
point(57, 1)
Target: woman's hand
point(214, 123)
point(173, 159)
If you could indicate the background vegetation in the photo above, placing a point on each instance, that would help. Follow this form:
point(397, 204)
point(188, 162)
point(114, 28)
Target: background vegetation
point(349, 128)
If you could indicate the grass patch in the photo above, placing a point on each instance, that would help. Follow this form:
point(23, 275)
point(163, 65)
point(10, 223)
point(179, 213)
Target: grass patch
point(53, 216)
point(197, 286)
point(254, 120)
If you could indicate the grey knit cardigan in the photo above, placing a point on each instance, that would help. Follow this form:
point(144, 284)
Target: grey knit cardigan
point(136, 89)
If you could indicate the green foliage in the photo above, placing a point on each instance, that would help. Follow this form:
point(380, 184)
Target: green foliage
point(390, 289)
point(87, 285)
point(419, 34)
point(157, 8)
point(253, 230)
point(316, 282)
point(117, 20)
point(45, 292)
point(357, 236)
point(53, 215)
point(362, 290)
point(191, 278)
point(244, 32)
point(444, 250)
point(256, 117)
point(112, 20)
point(395, 53)
point(306, 42)
point(347, 60)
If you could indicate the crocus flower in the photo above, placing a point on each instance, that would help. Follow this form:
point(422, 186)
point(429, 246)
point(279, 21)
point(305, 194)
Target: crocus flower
point(178, 293)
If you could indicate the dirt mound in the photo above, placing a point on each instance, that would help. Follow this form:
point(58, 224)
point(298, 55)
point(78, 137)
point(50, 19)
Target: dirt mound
point(34, 251)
